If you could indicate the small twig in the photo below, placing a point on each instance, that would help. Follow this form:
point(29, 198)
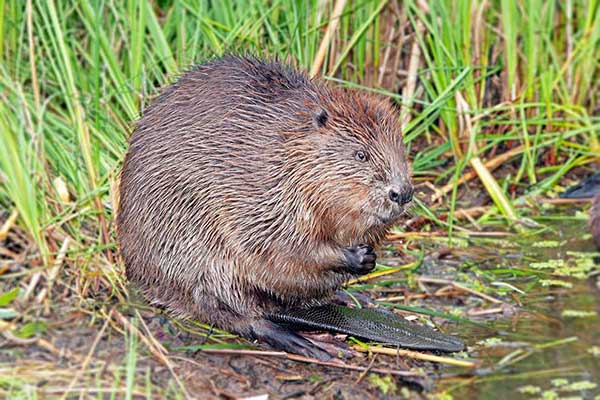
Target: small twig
point(157, 352)
point(418, 296)
point(5, 330)
point(565, 201)
point(431, 187)
point(8, 224)
point(488, 311)
point(35, 279)
point(465, 124)
point(459, 214)
point(364, 373)
point(63, 352)
point(151, 337)
point(245, 352)
point(55, 269)
point(331, 28)
point(408, 91)
point(404, 235)
point(88, 358)
point(294, 357)
point(377, 274)
point(386, 56)
point(469, 213)
point(155, 348)
point(460, 287)
point(40, 298)
point(416, 355)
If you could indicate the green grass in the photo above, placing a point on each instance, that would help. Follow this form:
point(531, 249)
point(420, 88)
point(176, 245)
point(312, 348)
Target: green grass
point(524, 77)
point(491, 76)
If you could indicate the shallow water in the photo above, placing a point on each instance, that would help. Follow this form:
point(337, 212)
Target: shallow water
point(536, 350)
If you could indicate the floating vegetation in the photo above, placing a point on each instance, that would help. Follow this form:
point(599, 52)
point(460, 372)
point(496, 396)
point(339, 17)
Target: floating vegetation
point(555, 282)
point(578, 314)
point(490, 342)
point(554, 264)
point(548, 243)
point(559, 382)
point(559, 385)
point(578, 386)
point(579, 268)
point(529, 389)
point(594, 350)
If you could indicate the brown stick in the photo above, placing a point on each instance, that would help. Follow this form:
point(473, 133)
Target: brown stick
point(88, 358)
point(8, 224)
point(331, 28)
point(157, 352)
point(495, 310)
point(377, 274)
point(411, 82)
point(364, 373)
point(566, 201)
point(308, 360)
point(52, 273)
point(416, 355)
point(460, 287)
point(64, 352)
point(155, 348)
point(386, 57)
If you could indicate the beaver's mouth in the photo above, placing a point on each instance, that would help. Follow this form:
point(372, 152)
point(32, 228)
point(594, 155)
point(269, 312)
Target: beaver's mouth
point(384, 219)
point(384, 213)
point(389, 217)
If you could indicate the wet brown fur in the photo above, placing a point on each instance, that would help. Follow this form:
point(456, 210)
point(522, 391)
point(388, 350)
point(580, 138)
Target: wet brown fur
point(240, 189)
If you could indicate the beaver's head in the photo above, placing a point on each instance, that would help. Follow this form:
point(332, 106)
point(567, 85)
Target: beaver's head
point(358, 164)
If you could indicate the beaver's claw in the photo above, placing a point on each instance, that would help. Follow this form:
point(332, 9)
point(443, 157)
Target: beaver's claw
point(360, 259)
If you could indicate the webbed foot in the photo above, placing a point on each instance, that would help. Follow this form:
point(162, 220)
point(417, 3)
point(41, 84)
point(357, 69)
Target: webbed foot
point(283, 339)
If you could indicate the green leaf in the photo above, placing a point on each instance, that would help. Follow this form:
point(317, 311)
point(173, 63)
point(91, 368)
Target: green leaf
point(30, 329)
point(8, 297)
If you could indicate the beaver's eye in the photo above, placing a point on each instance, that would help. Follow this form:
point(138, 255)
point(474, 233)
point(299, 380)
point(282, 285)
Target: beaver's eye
point(360, 156)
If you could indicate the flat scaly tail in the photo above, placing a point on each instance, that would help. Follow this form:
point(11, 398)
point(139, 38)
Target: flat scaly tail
point(368, 324)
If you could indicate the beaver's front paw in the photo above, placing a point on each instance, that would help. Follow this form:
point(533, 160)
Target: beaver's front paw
point(360, 259)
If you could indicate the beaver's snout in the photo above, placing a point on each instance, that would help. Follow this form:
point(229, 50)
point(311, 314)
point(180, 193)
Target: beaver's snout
point(400, 194)
point(392, 202)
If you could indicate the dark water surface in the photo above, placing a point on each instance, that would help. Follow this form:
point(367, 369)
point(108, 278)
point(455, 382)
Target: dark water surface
point(548, 346)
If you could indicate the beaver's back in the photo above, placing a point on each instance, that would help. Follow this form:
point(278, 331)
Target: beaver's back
point(203, 182)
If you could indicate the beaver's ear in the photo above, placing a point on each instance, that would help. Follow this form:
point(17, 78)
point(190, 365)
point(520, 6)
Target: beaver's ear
point(320, 117)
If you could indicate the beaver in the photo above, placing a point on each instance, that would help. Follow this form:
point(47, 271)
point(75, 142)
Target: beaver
point(249, 189)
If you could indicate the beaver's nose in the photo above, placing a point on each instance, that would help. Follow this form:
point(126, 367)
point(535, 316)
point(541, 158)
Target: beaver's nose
point(401, 196)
